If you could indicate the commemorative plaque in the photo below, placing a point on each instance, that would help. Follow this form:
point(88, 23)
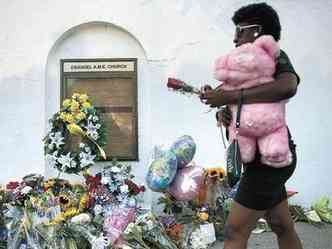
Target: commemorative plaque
point(112, 86)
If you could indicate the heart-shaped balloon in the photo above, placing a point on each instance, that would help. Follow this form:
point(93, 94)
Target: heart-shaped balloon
point(187, 183)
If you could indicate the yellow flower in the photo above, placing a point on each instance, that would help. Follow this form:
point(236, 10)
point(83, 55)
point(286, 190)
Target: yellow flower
point(59, 218)
point(86, 172)
point(67, 117)
point(218, 173)
point(33, 200)
point(80, 116)
point(83, 202)
point(86, 105)
point(65, 201)
point(203, 216)
point(75, 96)
point(71, 212)
point(74, 106)
point(66, 103)
point(83, 98)
point(49, 184)
point(63, 116)
point(63, 216)
point(70, 118)
point(74, 129)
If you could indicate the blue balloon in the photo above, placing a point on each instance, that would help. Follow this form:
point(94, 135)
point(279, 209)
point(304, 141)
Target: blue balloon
point(184, 149)
point(162, 172)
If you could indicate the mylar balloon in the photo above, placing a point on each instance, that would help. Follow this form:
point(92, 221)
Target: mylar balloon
point(187, 183)
point(184, 149)
point(162, 172)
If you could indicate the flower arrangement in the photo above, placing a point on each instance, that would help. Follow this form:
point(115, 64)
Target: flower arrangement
point(76, 136)
point(38, 212)
point(54, 213)
point(147, 232)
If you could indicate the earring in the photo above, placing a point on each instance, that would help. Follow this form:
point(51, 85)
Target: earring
point(256, 34)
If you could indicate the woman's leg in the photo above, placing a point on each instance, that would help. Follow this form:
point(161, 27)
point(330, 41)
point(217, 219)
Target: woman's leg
point(240, 222)
point(281, 223)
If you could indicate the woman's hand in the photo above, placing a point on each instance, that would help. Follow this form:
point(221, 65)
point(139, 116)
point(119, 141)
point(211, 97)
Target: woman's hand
point(206, 88)
point(216, 98)
point(224, 116)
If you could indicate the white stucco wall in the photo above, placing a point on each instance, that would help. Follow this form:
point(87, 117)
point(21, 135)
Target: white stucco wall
point(178, 38)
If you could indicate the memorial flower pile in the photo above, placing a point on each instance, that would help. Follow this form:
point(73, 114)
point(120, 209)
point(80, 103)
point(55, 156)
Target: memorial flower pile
point(54, 213)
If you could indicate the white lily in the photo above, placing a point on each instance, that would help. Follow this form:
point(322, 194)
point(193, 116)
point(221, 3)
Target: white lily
point(81, 219)
point(92, 131)
point(100, 243)
point(51, 159)
point(56, 139)
point(98, 209)
point(115, 169)
point(67, 161)
point(26, 190)
point(124, 189)
point(86, 159)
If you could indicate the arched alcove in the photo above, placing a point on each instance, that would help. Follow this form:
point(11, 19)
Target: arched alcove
point(101, 40)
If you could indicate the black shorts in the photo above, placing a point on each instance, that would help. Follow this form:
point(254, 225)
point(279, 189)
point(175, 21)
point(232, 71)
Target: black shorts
point(262, 187)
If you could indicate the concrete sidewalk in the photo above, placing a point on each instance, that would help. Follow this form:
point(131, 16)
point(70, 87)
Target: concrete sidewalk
point(311, 237)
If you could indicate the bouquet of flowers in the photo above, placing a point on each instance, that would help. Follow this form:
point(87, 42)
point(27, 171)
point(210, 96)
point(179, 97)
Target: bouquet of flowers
point(39, 213)
point(148, 232)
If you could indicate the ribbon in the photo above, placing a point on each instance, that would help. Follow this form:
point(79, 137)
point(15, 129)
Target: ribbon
point(74, 129)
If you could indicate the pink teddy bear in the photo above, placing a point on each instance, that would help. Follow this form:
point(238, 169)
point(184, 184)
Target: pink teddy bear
point(262, 125)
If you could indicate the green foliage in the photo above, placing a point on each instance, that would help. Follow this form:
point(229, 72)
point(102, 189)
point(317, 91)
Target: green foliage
point(323, 210)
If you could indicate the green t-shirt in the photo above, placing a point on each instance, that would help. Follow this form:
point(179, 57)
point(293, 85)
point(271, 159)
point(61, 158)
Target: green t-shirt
point(284, 65)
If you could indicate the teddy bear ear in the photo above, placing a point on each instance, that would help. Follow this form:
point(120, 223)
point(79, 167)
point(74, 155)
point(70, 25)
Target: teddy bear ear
point(269, 44)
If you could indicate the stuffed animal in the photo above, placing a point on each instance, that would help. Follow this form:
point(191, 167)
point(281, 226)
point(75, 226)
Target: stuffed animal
point(262, 125)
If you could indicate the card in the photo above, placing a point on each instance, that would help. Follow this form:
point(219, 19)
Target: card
point(208, 232)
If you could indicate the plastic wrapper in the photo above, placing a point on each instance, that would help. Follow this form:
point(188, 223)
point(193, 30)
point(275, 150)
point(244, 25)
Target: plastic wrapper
point(134, 237)
point(187, 183)
point(153, 232)
point(95, 238)
point(233, 190)
point(116, 222)
point(199, 239)
point(26, 232)
point(195, 236)
point(21, 232)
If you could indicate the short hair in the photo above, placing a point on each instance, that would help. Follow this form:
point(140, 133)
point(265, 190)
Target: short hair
point(262, 14)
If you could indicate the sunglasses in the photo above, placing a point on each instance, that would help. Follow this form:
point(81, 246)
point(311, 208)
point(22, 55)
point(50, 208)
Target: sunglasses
point(239, 29)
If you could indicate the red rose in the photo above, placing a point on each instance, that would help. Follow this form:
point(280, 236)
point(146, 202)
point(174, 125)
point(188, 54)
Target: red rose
point(142, 188)
point(174, 83)
point(93, 182)
point(12, 185)
point(134, 187)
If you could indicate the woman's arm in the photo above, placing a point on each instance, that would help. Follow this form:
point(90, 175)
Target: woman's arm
point(283, 87)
